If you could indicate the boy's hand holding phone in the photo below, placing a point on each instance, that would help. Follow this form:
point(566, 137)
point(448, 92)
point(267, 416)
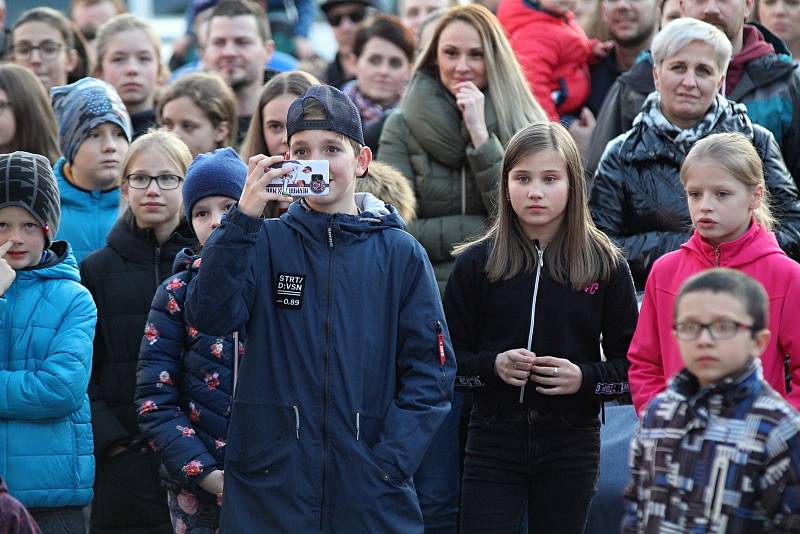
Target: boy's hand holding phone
point(259, 173)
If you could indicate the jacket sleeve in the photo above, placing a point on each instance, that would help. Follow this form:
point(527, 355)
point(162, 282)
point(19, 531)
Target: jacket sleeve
point(462, 308)
point(608, 207)
point(646, 373)
point(633, 504)
point(789, 338)
point(158, 379)
point(220, 297)
point(425, 384)
point(539, 59)
point(394, 146)
point(780, 479)
point(486, 163)
point(58, 385)
point(608, 379)
point(785, 200)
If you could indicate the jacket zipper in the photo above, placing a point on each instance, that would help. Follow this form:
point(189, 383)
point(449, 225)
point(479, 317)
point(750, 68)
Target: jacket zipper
point(158, 274)
point(539, 266)
point(325, 389)
point(716, 257)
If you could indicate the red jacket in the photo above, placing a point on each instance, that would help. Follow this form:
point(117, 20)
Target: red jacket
point(653, 352)
point(554, 53)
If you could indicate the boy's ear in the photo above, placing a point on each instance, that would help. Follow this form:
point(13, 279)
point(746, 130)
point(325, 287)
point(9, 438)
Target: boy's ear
point(761, 339)
point(363, 161)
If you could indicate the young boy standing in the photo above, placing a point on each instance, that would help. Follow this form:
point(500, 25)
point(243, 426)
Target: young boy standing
point(719, 450)
point(349, 369)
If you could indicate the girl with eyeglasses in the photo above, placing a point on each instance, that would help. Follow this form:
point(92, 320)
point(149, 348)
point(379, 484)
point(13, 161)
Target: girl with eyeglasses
point(123, 277)
point(723, 177)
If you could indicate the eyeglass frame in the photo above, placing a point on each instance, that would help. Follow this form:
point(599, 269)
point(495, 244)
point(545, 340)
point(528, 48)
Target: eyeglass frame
point(707, 326)
point(336, 20)
point(40, 47)
point(156, 179)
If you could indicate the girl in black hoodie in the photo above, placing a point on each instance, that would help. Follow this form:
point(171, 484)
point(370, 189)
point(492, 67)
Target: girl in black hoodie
point(527, 306)
point(123, 277)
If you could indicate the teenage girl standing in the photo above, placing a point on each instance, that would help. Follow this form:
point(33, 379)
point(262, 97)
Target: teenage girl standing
point(724, 181)
point(527, 305)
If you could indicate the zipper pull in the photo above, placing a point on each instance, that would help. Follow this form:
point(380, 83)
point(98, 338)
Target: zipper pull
point(440, 341)
point(716, 257)
point(330, 237)
point(358, 425)
point(541, 257)
point(296, 420)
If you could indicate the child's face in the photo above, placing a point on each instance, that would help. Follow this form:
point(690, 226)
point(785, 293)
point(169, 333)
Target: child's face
point(274, 126)
point(8, 124)
point(207, 214)
point(99, 158)
point(709, 359)
point(185, 119)
point(720, 205)
point(51, 68)
point(560, 7)
point(538, 188)
point(131, 66)
point(18, 226)
point(154, 207)
point(344, 167)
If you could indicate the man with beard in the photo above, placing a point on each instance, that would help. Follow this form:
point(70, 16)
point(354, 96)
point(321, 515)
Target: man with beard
point(761, 75)
point(238, 45)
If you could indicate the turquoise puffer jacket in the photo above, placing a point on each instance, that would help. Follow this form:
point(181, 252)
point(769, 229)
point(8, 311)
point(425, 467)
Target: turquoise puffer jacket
point(47, 322)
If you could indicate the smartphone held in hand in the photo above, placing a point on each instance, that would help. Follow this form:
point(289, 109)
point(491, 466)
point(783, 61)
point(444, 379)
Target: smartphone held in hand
point(308, 178)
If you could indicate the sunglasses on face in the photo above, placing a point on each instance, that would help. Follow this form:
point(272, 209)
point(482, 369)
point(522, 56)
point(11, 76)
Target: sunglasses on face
point(355, 18)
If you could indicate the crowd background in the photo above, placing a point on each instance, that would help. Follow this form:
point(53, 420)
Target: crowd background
point(139, 133)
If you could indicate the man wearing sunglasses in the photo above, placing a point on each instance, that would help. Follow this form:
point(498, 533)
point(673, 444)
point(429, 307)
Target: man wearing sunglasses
point(343, 16)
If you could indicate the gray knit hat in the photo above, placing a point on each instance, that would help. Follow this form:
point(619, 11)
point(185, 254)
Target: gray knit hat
point(81, 107)
point(27, 181)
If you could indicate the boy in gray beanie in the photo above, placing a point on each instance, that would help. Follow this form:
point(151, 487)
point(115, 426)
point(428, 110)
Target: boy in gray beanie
point(94, 133)
point(45, 427)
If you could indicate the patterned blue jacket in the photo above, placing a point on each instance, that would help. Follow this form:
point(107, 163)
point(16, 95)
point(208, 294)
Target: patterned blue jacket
point(719, 459)
point(184, 382)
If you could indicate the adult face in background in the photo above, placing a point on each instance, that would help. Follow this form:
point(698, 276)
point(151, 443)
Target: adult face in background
point(41, 47)
point(413, 12)
point(782, 17)
point(88, 16)
point(382, 71)
point(630, 22)
point(344, 18)
point(727, 15)
point(235, 49)
point(670, 10)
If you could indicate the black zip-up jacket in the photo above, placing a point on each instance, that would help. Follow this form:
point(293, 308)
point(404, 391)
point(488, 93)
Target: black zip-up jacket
point(487, 318)
point(122, 278)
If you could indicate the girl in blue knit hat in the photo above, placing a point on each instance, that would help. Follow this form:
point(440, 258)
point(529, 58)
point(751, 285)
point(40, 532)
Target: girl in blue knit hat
point(186, 378)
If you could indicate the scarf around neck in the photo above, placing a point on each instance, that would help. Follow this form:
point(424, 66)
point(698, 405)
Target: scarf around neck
point(652, 117)
point(367, 108)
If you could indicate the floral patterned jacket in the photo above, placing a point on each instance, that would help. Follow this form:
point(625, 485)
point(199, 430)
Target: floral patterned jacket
point(184, 384)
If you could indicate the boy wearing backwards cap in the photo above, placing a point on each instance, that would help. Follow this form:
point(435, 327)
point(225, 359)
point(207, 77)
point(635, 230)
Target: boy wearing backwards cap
point(45, 352)
point(94, 132)
point(349, 369)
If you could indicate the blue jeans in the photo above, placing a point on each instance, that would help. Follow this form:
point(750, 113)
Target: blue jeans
point(437, 479)
point(521, 459)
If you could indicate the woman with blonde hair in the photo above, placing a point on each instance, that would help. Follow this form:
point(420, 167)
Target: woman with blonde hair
point(200, 108)
point(122, 278)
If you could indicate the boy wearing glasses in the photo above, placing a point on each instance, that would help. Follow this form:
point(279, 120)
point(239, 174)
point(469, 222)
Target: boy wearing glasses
point(94, 132)
point(343, 16)
point(718, 451)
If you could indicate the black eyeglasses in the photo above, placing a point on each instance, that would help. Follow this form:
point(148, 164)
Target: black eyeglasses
point(47, 50)
point(163, 181)
point(355, 18)
point(718, 330)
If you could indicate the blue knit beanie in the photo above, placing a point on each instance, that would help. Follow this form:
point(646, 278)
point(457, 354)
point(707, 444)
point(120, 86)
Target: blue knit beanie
point(221, 173)
point(82, 106)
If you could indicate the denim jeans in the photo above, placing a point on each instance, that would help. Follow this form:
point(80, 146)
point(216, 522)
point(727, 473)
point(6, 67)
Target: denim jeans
point(521, 459)
point(437, 478)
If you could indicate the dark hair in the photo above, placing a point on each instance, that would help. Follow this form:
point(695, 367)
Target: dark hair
point(738, 285)
point(238, 8)
point(49, 16)
point(37, 131)
point(388, 28)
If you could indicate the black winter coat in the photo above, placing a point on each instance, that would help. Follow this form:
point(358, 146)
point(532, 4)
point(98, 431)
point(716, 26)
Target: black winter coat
point(123, 277)
point(638, 200)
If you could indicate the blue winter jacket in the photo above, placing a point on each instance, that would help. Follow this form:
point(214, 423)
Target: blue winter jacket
point(86, 216)
point(184, 382)
point(47, 322)
point(348, 374)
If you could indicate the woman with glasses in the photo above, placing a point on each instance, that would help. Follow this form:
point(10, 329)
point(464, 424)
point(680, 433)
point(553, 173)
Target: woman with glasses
point(43, 40)
point(123, 277)
point(344, 17)
point(728, 200)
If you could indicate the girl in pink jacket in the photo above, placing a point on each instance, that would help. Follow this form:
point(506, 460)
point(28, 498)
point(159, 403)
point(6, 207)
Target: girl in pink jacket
point(724, 182)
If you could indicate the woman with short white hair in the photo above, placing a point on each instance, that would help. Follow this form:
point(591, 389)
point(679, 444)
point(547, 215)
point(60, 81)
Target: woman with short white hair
point(637, 197)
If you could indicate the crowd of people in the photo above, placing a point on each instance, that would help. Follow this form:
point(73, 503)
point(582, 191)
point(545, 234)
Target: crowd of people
point(547, 288)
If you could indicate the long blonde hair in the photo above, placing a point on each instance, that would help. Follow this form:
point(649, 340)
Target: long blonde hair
point(737, 156)
point(507, 87)
point(579, 253)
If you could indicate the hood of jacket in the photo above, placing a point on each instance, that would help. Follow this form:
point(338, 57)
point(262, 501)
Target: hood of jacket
point(59, 264)
point(341, 228)
point(127, 239)
point(754, 245)
point(435, 121)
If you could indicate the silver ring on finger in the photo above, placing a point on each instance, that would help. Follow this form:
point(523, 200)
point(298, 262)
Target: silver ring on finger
point(515, 366)
point(555, 371)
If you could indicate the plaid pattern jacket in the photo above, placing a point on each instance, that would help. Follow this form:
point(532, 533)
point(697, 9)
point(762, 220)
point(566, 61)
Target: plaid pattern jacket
point(723, 458)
